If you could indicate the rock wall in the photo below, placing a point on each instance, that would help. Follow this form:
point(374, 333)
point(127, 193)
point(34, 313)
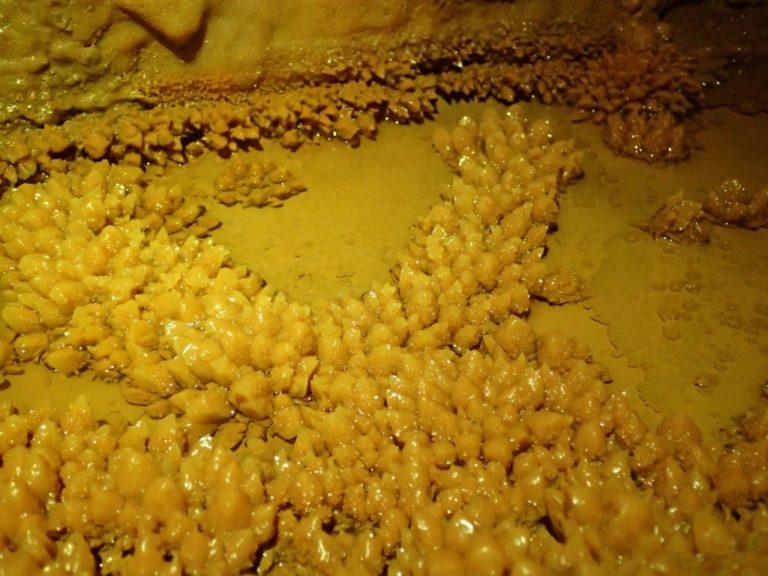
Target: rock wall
point(59, 57)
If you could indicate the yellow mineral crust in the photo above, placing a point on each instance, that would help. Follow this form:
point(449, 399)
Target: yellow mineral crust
point(421, 428)
point(424, 427)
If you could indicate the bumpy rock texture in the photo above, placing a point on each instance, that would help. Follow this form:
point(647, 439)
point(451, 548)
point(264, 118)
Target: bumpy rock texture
point(613, 63)
point(420, 428)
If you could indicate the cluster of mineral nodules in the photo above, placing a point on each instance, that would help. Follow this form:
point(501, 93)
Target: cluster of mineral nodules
point(631, 80)
point(420, 428)
point(730, 203)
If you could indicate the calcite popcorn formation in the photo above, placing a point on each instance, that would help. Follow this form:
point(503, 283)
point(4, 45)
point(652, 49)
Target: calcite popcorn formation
point(423, 427)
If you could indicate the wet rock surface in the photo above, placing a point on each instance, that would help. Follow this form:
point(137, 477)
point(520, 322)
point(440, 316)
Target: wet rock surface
point(425, 425)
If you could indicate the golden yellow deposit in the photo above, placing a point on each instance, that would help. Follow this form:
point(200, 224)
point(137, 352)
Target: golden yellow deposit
point(409, 415)
point(423, 427)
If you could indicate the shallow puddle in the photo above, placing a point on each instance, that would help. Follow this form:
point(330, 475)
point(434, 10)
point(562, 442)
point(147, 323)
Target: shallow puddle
point(691, 316)
point(341, 236)
point(38, 387)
